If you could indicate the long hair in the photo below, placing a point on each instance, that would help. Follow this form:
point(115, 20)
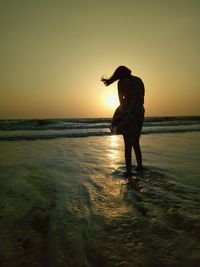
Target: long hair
point(120, 73)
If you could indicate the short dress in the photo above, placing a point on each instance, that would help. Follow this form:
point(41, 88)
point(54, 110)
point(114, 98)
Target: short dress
point(129, 116)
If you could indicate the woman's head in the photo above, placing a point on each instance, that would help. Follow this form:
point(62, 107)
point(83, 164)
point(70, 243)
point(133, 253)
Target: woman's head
point(120, 73)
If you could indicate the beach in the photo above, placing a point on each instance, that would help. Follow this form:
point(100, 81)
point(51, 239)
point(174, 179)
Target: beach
point(65, 202)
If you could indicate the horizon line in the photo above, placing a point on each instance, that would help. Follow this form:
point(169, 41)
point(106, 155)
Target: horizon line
point(73, 118)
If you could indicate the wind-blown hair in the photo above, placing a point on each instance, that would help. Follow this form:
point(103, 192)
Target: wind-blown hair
point(120, 73)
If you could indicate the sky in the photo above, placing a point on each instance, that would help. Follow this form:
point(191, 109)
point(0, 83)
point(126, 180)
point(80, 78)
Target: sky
point(54, 53)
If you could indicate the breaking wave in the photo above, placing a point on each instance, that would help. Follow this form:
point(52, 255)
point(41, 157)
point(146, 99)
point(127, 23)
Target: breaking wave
point(11, 130)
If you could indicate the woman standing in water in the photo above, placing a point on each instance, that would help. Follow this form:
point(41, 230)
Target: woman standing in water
point(129, 116)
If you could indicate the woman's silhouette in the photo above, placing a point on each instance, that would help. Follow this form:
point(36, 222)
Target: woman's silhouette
point(129, 116)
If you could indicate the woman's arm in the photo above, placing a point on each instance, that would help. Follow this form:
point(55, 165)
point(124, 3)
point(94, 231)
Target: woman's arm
point(121, 91)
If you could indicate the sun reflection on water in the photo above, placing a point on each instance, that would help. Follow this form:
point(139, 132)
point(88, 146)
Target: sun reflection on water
point(114, 140)
point(113, 151)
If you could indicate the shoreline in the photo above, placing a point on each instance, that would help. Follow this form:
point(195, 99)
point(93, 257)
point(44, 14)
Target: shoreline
point(64, 202)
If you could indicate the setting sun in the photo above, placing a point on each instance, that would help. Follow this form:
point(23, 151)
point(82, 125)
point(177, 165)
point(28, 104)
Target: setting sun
point(111, 99)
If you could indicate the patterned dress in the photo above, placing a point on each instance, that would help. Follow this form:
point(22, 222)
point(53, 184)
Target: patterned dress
point(129, 116)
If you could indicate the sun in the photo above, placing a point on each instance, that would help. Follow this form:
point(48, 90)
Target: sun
point(111, 100)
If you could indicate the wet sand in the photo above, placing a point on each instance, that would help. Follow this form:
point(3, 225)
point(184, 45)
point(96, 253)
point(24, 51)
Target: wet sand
point(65, 202)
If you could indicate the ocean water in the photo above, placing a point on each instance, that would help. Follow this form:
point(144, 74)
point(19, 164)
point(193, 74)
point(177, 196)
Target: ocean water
point(71, 128)
point(64, 200)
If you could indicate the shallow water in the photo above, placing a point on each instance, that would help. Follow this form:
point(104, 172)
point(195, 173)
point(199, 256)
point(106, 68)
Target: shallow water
point(64, 202)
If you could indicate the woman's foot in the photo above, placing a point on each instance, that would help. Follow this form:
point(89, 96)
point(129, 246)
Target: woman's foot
point(140, 169)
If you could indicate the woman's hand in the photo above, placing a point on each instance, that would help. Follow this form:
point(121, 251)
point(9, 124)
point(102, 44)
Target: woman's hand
point(105, 81)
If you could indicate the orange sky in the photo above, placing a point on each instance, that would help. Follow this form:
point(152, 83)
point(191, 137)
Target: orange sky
point(53, 54)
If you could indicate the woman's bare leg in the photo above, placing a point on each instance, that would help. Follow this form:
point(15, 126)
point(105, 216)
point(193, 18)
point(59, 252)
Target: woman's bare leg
point(138, 153)
point(127, 152)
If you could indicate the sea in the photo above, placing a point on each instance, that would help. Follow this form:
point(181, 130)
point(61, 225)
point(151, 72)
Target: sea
point(64, 200)
point(73, 128)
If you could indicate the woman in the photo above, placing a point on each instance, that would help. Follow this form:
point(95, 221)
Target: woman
point(129, 116)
